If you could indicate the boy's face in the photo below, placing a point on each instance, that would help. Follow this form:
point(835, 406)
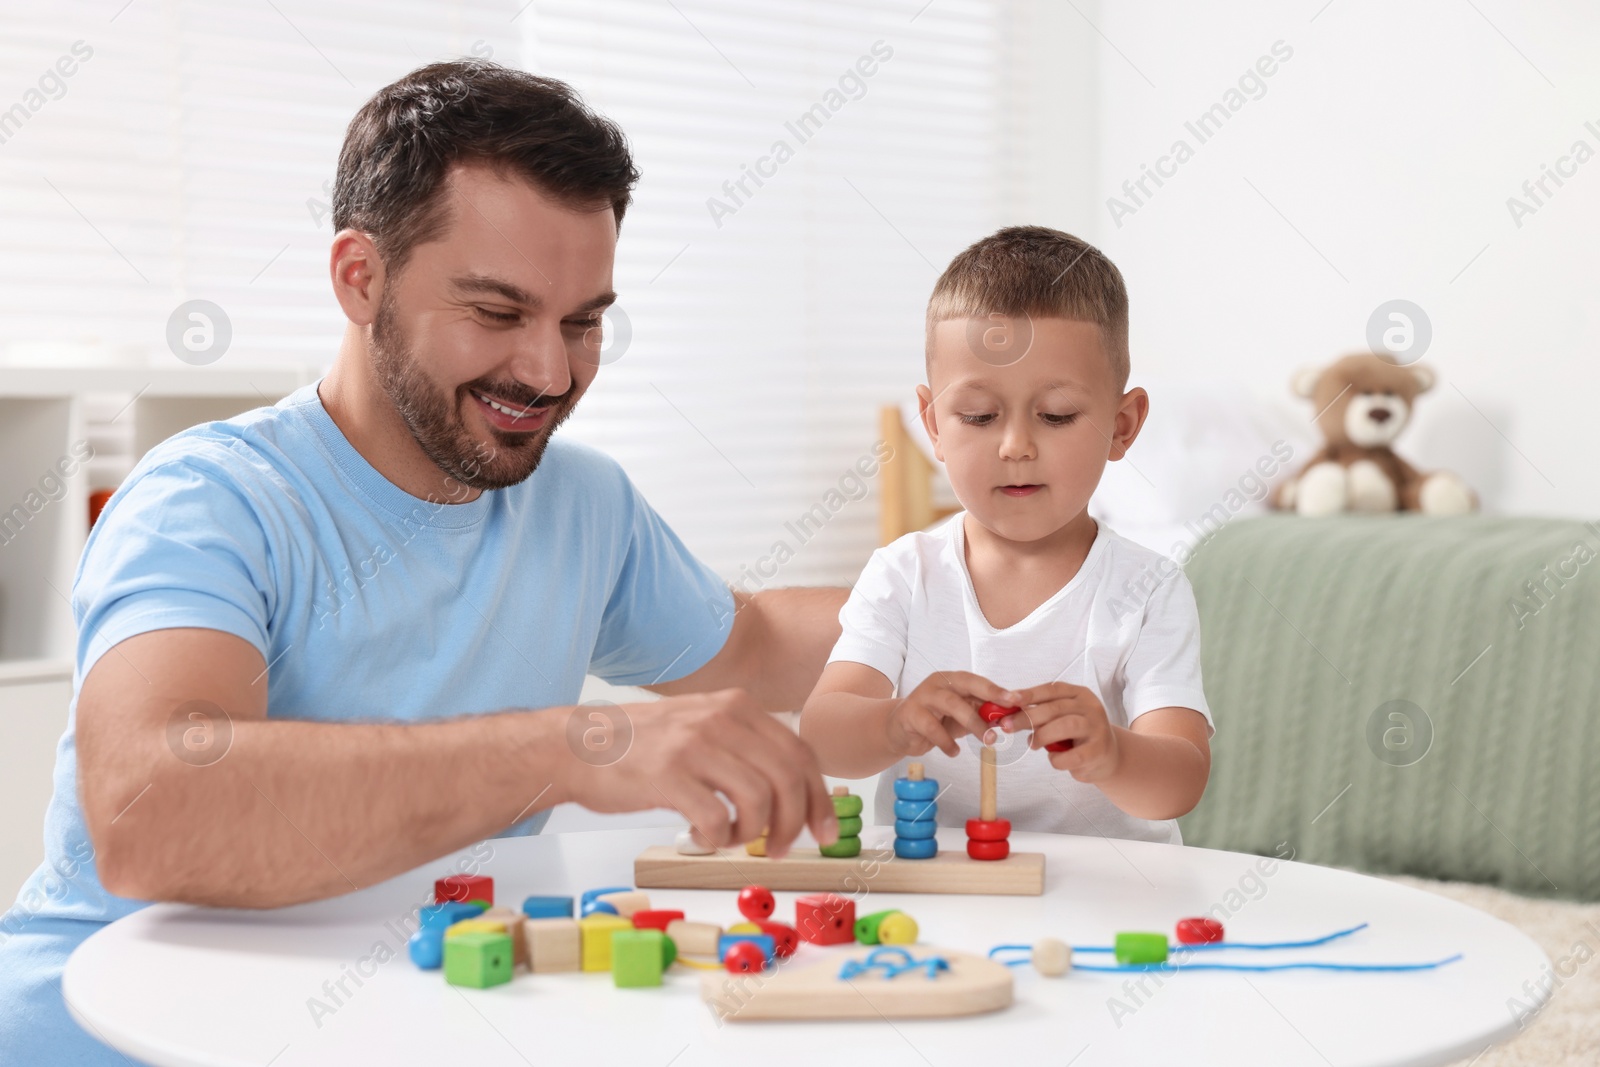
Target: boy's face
point(1024, 443)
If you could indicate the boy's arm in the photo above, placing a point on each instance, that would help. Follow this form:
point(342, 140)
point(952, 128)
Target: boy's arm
point(1164, 761)
point(857, 727)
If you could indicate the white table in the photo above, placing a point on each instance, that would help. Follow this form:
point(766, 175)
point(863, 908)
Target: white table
point(178, 985)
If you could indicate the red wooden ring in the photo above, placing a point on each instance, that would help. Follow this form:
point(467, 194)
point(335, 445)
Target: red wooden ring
point(993, 713)
point(988, 830)
point(988, 850)
point(1060, 746)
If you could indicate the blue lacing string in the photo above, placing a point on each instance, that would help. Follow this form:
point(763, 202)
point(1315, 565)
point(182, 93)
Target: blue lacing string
point(877, 959)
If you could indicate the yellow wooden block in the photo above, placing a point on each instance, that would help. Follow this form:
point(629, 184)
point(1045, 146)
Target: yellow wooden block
point(553, 945)
point(595, 931)
point(745, 928)
point(694, 939)
point(477, 926)
point(627, 902)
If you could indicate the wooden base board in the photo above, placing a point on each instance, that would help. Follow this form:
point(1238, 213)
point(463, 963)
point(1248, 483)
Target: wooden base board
point(814, 990)
point(951, 871)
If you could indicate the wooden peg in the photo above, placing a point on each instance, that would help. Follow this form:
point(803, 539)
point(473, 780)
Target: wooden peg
point(988, 805)
point(841, 790)
point(914, 771)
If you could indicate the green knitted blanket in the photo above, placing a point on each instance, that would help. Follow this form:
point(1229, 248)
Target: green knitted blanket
point(1406, 695)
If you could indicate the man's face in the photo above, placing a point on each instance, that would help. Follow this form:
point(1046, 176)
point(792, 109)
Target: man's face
point(491, 333)
point(1025, 443)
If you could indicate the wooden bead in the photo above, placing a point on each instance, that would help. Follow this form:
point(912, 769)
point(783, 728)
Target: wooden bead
point(916, 848)
point(1138, 947)
point(554, 945)
point(825, 918)
point(1052, 957)
point(689, 845)
point(478, 959)
point(897, 928)
point(867, 926)
point(764, 942)
point(988, 829)
point(743, 957)
point(756, 902)
point(695, 939)
point(654, 918)
point(464, 887)
point(426, 948)
point(626, 902)
point(988, 850)
point(847, 806)
point(785, 939)
point(1199, 931)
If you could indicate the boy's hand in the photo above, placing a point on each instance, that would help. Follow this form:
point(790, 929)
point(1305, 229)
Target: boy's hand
point(941, 709)
point(1061, 711)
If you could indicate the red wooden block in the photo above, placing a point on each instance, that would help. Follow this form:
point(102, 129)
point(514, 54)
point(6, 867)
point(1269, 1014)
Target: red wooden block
point(785, 939)
point(756, 903)
point(993, 713)
point(464, 887)
point(1199, 931)
point(988, 829)
point(988, 850)
point(654, 919)
point(825, 919)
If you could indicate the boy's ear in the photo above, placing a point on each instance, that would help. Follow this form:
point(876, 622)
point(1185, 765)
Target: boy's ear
point(929, 423)
point(1130, 418)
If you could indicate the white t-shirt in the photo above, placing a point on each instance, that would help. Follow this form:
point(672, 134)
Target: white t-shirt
point(1125, 626)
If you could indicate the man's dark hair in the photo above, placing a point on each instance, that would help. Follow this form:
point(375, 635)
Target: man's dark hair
point(401, 144)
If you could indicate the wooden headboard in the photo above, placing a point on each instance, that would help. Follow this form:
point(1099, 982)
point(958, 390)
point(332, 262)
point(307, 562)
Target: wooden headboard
point(905, 482)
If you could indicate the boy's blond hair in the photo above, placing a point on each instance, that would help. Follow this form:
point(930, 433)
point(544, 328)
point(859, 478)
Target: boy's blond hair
point(1035, 271)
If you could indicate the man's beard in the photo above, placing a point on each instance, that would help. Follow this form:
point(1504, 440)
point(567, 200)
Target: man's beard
point(437, 425)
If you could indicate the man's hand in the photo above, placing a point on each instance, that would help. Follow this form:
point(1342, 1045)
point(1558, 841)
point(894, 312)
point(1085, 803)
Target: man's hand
point(942, 708)
point(685, 750)
point(1060, 711)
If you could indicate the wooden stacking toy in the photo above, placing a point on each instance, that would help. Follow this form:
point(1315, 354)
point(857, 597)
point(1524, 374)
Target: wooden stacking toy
point(916, 814)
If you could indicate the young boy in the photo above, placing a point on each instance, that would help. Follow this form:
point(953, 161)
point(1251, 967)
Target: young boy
point(1022, 599)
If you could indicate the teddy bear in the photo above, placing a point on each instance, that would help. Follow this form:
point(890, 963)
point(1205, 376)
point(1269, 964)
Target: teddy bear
point(1363, 401)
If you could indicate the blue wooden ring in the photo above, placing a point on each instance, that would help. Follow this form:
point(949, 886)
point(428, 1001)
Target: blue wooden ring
point(599, 907)
point(914, 831)
point(916, 849)
point(916, 810)
point(906, 789)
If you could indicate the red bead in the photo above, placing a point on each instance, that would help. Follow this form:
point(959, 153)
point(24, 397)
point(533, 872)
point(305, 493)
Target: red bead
point(1199, 931)
point(988, 850)
point(784, 938)
point(654, 919)
point(744, 957)
point(993, 713)
point(988, 829)
point(825, 919)
point(1060, 746)
point(756, 903)
point(464, 887)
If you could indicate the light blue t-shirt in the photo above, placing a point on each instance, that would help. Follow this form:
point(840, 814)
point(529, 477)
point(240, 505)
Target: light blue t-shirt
point(367, 603)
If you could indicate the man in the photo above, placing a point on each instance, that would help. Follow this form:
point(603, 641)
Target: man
point(310, 637)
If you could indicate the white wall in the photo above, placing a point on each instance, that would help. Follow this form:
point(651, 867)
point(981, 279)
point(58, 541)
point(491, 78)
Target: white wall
point(1377, 165)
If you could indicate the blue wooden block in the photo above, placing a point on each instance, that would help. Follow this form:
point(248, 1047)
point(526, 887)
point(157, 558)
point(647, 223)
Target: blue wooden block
point(916, 810)
point(448, 914)
point(924, 848)
point(764, 941)
point(547, 907)
point(915, 831)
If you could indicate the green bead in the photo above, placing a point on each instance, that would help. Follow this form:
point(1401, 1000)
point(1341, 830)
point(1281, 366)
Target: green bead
point(479, 959)
point(850, 826)
point(1140, 948)
point(847, 806)
point(867, 925)
point(638, 958)
point(843, 848)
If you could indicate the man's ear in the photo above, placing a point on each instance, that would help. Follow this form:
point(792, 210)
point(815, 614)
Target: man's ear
point(1131, 414)
point(358, 276)
point(929, 422)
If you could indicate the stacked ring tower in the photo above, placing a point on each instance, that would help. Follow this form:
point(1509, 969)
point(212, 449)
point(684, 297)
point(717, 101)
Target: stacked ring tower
point(988, 836)
point(847, 807)
point(915, 815)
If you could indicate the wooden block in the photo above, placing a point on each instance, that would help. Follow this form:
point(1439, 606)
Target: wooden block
point(464, 887)
point(972, 985)
point(553, 945)
point(595, 933)
point(627, 902)
point(825, 919)
point(695, 939)
point(512, 921)
point(478, 959)
point(1020, 874)
point(637, 958)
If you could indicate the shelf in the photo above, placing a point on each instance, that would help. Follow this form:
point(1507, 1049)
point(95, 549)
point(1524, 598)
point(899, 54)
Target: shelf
point(260, 381)
point(22, 671)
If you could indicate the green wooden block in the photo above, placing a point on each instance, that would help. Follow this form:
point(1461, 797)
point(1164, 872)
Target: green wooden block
point(850, 826)
point(1140, 948)
point(843, 848)
point(847, 806)
point(479, 959)
point(638, 957)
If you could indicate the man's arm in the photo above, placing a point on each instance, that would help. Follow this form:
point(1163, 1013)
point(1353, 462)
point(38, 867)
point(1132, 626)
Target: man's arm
point(780, 641)
point(261, 813)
